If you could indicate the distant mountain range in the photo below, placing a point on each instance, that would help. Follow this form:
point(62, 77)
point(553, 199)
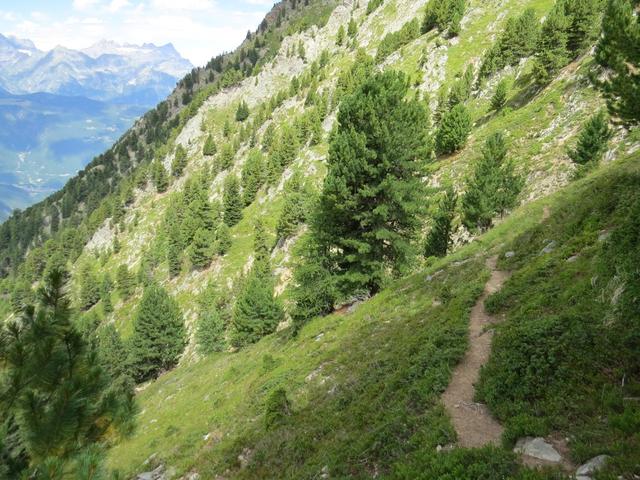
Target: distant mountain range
point(105, 71)
point(60, 108)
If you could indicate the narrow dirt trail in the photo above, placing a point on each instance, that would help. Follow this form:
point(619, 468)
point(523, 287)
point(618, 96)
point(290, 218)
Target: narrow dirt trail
point(472, 421)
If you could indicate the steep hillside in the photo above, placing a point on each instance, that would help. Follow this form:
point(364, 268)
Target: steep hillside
point(222, 218)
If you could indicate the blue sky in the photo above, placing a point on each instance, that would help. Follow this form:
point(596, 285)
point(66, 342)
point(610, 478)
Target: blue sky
point(199, 29)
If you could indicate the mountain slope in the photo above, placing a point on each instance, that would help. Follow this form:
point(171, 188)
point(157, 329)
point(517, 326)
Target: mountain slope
point(357, 394)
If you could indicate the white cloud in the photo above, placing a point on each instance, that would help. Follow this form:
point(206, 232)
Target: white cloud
point(199, 29)
point(84, 4)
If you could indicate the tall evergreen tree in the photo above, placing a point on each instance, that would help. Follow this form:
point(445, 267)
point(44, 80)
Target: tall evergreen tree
point(444, 14)
point(453, 130)
point(242, 113)
point(439, 238)
point(57, 401)
point(159, 335)
point(584, 25)
point(368, 213)
point(293, 210)
point(210, 148)
point(617, 51)
point(592, 141)
point(202, 248)
point(223, 239)
point(232, 201)
point(253, 176)
point(492, 188)
point(500, 95)
point(106, 285)
point(89, 287)
point(552, 53)
point(125, 282)
point(210, 332)
point(179, 161)
point(159, 176)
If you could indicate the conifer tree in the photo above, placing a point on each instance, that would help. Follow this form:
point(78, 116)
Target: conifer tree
point(225, 159)
point(552, 53)
point(232, 201)
point(500, 95)
point(368, 213)
point(314, 291)
point(461, 89)
point(340, 36)
point(210, 332)
point(261, 243)
point(617, 51)
point(159, 336)
point(226, 129)
point(268, 137)
point(453, 130)
point(89, 287)
point(592, 141)
point(210, 147)
point(257, 312)
point(106, 285)
point(159, 177)
point(56, 398)
point(124, 282)
point(242, 113)
point(179, 161)
point(223, 239)
point(439, 238)
point(113, 353)
point(583, 26)
point(202, 248)
point(352, 29)
point(443, 14)
point(293, 209)
point(492, 188)
point(253, 176)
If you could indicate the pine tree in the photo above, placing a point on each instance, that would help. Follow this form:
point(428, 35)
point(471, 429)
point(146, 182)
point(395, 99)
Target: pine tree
point(159, 335)
point(226, 129)
point(492, 188)
point(499, 98)
point(112, 352)
point(268, 137)
point(210, 332)
point(124, 282)
point(453, 130)
point(179, 161)
point(592, 141)
point(223, 239)
point(106, 285)
point(56, 399)
point(552, 53)
point(225, 159)
point(293, 209)
point(368, 213)
point(232, 201)
point(242, 113)
point(201, 248)
point(159, 177)
point(340, 36)
point(314, 291)
point(617, 51)
point(253, 176)
point(89, 287)
point(584, 25)
point(210, 147)
point(443, 14)
point(461, 89)
point(439, 238)
point(352, 29)
point(257, 312)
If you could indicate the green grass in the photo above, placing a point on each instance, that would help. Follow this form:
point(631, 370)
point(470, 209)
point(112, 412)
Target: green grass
point(567, 356)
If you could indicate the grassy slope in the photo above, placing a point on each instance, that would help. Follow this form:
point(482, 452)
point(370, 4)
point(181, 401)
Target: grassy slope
point(224, 395)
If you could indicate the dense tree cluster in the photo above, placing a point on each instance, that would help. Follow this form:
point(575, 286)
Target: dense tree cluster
point(394, 40)
point(444, 15)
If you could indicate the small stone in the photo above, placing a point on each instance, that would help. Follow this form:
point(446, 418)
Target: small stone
point(573, 258)
point(319, 337)
point(537, 448)
point(604, 235)
point(550, 247)
point(509, 254)
point(439, 448)
point(592, 466)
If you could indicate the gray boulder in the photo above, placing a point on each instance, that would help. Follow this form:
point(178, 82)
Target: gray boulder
point(587, 469)
point(537, 448)
point(550, 247)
